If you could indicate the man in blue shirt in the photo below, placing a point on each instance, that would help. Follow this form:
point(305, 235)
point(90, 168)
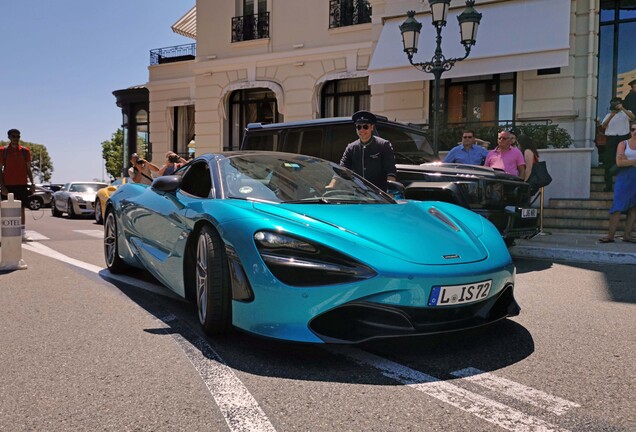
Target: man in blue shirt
point(467, 152)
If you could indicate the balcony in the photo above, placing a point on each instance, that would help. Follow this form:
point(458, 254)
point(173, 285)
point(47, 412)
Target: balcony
point(250, 27)
point(343, 13)
point(173, 54)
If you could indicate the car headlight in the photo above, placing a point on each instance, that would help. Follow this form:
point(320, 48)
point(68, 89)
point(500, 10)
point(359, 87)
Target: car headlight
point(299, 262)
point(79, 199)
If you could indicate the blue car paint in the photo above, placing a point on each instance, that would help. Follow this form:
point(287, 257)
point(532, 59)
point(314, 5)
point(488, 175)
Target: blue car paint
point(154, 231)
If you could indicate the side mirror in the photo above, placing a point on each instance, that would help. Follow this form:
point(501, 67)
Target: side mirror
point(166, 183)
point(395, 189)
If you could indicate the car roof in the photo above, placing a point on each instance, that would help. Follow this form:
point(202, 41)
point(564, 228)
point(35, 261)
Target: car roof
point(381, 120)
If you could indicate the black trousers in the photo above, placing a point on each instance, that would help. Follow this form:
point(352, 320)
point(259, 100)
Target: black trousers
point(609, 156)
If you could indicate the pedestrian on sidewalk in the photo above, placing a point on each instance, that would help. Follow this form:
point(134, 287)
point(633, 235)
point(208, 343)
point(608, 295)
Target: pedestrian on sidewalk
point(16, 176)
point(616, 128)
point(624, 189)
point(506, 157)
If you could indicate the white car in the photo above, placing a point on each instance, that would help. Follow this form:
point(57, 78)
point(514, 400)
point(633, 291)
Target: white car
point(76, 199)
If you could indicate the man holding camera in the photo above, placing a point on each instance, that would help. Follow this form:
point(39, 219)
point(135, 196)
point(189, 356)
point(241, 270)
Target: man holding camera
point(173, 162)
point(616, 128)
point(141, 170)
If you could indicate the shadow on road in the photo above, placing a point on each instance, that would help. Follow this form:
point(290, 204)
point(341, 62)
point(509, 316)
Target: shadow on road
point(487, 348)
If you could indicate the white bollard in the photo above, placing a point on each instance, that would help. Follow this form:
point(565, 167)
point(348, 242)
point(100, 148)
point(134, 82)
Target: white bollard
point(11, 235)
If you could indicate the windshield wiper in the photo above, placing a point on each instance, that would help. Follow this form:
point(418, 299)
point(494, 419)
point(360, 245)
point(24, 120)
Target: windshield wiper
point(315, 200)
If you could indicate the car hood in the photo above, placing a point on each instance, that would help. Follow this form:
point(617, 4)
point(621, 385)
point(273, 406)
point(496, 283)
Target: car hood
point(410, 231)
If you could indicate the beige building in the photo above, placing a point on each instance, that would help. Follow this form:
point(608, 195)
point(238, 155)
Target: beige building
point(287, 60)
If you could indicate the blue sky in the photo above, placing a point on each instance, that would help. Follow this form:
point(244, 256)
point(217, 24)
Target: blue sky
point(61, 61)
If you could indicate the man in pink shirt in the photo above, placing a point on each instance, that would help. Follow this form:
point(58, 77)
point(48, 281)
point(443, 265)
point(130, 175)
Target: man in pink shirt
point(505, 157)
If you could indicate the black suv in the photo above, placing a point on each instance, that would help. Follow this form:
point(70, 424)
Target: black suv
point(501, 198)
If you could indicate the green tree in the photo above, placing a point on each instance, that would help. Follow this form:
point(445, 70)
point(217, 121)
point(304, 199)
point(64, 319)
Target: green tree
point(41, 163)
point(112, 154)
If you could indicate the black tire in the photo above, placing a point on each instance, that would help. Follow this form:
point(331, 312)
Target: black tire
point(98, 212)
point(510, 242)
point(212, 282)
point(54, 211)
point(70, 210)
point(111, 252)
point(35, 203)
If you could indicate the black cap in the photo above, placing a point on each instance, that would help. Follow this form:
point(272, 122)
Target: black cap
point(364, 117)
point(632, 82)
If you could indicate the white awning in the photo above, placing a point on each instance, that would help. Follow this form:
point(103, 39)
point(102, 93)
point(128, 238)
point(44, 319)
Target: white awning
point(187, 24)
point(513, 36)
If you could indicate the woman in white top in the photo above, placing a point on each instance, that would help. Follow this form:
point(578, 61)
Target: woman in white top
point(624, 189)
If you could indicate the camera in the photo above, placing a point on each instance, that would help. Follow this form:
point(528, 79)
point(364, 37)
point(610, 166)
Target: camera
point(141, 161)
point(173, 158)
point(614, 105)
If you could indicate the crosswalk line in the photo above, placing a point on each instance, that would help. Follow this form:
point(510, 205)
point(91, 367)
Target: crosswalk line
point(486, 409)
point(35, 236)
point(517, 391)
point(91, 233)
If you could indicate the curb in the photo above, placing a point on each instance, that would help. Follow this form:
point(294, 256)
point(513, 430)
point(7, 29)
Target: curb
point(573, 255)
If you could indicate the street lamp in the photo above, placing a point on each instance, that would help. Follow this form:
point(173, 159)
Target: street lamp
point(468, 23)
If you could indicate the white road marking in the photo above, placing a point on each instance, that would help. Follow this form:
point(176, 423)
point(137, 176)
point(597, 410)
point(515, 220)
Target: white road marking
point(92, 233)
point(517, 391)
point(36, 236)
point(480, 406)
point(239, 408)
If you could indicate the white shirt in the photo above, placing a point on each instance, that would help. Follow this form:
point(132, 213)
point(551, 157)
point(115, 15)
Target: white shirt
point(618, 125)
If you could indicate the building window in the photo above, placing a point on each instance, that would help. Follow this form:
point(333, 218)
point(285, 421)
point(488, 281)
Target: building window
point(616, 60)
point(251, 22)
point(341, 98)
point(477, 101)
point(183, 129)
point(344, 13)
point(250, 106)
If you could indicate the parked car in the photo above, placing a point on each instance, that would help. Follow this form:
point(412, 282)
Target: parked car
point(76, 199)
point(53, 187)
point(40, 198)
point(259, 242)
point(503, 199)
point(102, 197)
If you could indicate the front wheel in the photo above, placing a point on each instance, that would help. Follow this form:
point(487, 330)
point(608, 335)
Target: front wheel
point(54, 211)
point(111, 253)
point(214, 302)
point(98, 212)
point(70, 210)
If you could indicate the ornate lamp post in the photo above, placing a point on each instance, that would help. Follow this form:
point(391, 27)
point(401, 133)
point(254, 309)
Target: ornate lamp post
point(468, 23)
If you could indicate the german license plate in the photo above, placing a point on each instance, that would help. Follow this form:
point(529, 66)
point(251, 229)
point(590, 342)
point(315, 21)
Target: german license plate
point(459, 294)
point(528, 212)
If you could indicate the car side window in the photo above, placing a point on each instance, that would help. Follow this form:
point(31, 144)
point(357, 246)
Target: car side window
point(196, 181)
point(304, 141)
point(265, 140)
point(339, 137)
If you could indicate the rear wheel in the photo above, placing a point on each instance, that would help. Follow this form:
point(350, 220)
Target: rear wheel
point(98, 212)
point(35, 203)
point(70, 210)
point(111, 253)
point(212, 281)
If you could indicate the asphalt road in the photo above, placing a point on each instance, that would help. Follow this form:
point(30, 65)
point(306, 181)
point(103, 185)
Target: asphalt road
point(83, 350)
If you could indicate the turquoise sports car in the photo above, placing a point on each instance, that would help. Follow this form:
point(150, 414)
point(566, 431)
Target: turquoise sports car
point(297, 248)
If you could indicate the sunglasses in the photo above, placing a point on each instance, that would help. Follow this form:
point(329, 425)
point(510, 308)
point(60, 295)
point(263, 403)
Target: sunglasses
point(15, 136)
point(467, 137)
point(362, 126)
point(504, 138)
point(633, 129)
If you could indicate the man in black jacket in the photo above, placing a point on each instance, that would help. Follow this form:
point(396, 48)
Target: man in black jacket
point(630, 100)
point(370, 156)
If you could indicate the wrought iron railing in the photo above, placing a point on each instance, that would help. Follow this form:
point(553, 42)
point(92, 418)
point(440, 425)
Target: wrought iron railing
point(344, 13)
point(250, 27)
point(173, 54)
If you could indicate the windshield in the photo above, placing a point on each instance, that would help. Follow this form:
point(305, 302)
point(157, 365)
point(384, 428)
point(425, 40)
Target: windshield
point(287, 178)
point(86, 187)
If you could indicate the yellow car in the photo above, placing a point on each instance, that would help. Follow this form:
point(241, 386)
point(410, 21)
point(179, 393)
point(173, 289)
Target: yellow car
point(102, 197)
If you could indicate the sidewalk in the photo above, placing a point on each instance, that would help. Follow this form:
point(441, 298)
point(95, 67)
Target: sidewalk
point(575, 248)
